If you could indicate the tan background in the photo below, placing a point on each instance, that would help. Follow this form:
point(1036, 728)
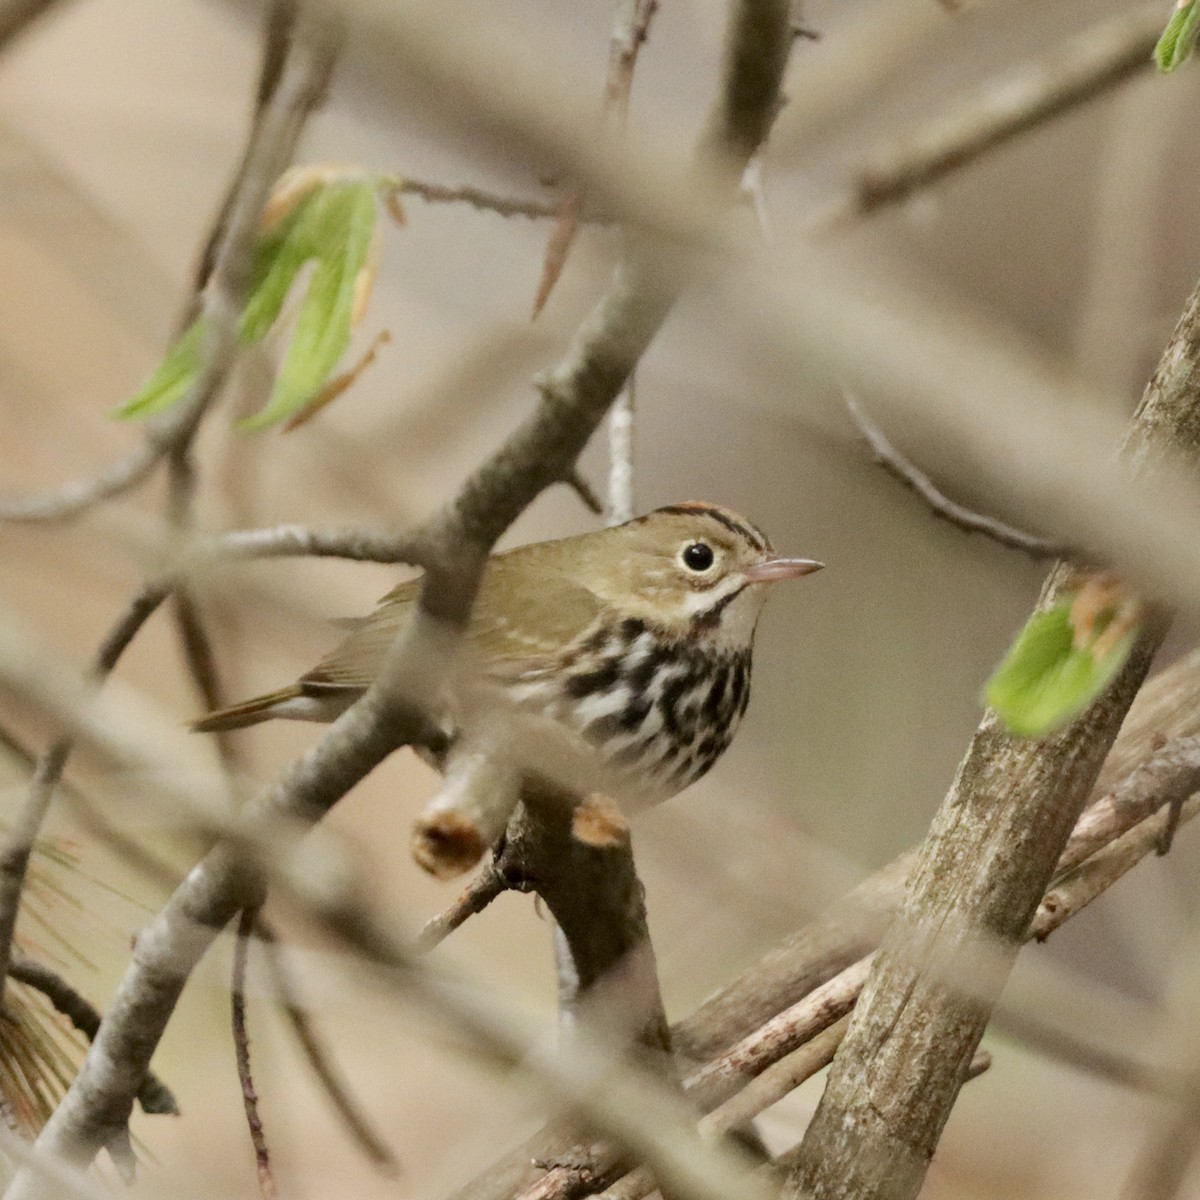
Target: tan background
point(120, 121)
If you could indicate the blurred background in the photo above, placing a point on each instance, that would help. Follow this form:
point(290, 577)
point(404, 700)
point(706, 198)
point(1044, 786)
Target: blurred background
point(120, 124)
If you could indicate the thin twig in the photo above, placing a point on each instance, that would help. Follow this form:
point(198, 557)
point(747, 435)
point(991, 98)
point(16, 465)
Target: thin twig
point(909, 474)
point(479, 198)
point(631, 27)
point(1088, 66)
point(479, 893)
point(154, 1097)
point(15, 855)
point(241, 1046)
point(70, 499)
point(319, 1057)
point(620, 455)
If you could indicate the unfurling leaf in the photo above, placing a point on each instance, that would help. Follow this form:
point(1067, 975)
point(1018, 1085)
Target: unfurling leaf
point(319, 216)
point(339, 223)
point(1179, 38)
point(173, 378)
point(1063, 659)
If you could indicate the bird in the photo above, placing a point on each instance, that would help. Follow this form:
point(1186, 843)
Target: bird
point(637, 637)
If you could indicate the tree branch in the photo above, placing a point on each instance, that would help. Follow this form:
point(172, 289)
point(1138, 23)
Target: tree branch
point(318, 1057)
point(978, 880)
point(909, 474)
point(787, 977)
point(575, 397)
point(1088, 66)
point(154, 1096)
point(18, 847)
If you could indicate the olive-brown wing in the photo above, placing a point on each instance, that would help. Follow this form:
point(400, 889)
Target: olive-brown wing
point(528, 609)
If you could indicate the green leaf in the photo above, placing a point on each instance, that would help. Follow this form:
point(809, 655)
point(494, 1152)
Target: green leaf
point(172, 379)
point(341, 226)
point(1179, 38)
point(1045, 680)
point(332, 226)
point(278, 258)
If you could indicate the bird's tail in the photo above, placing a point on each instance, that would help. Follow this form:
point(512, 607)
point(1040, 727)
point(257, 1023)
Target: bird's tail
point(249, 712)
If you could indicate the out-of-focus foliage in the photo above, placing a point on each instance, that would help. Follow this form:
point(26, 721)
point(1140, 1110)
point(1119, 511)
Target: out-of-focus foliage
point(1058, 665)
point(1179, 38)
point(314, 217)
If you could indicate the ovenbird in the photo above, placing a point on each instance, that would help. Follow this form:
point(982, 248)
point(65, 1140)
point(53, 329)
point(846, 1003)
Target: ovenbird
point(638, 637)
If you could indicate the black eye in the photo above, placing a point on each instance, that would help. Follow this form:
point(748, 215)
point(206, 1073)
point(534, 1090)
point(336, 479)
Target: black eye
point(698, 556)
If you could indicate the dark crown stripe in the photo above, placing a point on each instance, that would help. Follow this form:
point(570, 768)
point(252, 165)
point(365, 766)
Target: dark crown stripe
point(748, 532)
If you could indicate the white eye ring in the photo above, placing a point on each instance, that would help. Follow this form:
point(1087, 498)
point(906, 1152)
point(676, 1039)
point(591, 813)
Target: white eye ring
point(697, 557)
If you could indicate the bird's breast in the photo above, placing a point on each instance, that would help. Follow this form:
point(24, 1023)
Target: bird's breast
point(659, 710)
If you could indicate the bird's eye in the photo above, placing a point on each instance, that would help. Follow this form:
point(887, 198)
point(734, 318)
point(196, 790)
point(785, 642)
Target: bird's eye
point(698, 556)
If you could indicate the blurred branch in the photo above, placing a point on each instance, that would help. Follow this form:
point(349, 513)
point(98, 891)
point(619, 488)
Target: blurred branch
point(909, 474)
point(17, 15)
point(575, 397)
point(268, 153)
point(18, 846)
point(620, 455)
point(829, 950)
point(154, 1097)
point(630, 28)
point(1161, 1168)
point(318, 1057)
point(1089, 66)
point(979, 878)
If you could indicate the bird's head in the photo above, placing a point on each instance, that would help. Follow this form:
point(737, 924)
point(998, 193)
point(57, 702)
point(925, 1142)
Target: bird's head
point(693, 570)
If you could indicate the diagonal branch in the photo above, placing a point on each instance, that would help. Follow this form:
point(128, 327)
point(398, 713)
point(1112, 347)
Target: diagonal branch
point(228, 264)
point(909, 474)
point(154, 1096)
point(978, 880)
point(575, 397)
point(18, 847)
point(1089, 66)
point(1139, 773)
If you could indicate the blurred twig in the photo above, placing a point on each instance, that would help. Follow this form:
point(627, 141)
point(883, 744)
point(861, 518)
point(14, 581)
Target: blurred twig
point(479, 893)
point(154, 1096)
point(318, 1057)
point(480, 198)
point(620, 455)
point(909, 474)
point(17, 15)
point(1089, 66)
point(18, 846)
point(631, 27)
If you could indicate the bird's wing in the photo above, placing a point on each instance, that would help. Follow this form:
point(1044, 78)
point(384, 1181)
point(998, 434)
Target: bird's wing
point(527, 609)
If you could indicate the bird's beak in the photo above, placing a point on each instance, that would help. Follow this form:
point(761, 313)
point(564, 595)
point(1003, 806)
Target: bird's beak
point(771, 569)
